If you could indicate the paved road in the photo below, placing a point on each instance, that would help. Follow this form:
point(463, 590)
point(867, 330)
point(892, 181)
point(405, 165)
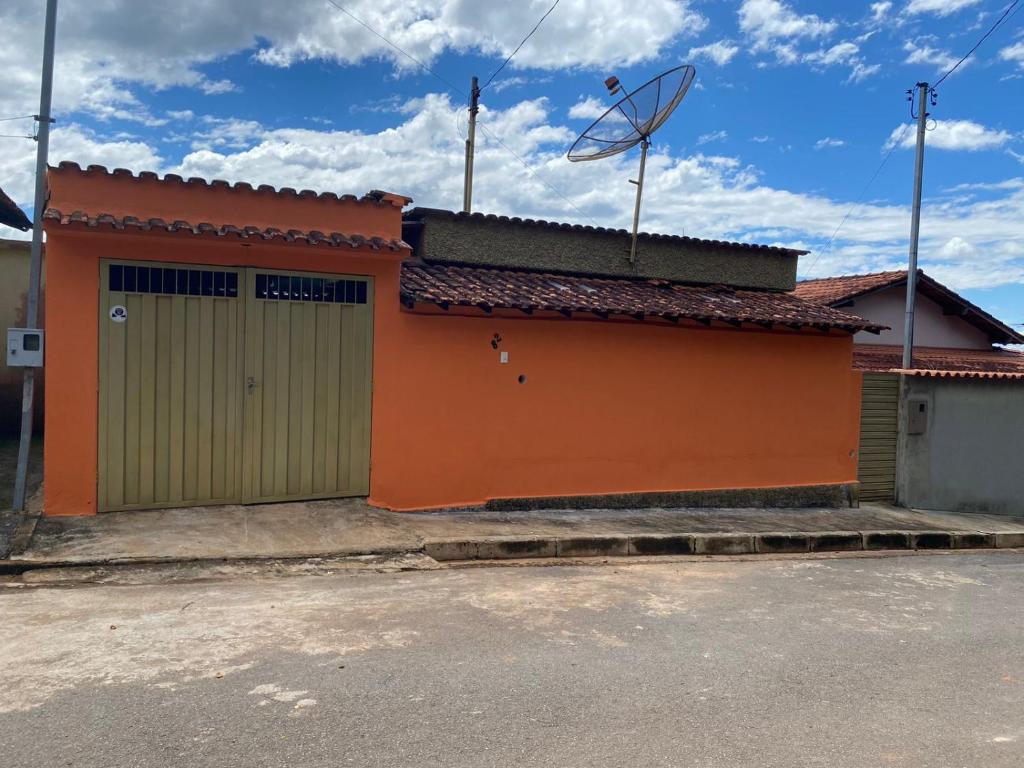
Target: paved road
point(900, 661)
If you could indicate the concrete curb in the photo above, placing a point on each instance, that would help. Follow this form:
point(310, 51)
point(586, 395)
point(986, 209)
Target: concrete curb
point(612, 545)
point(776, 542)
point(14, 567)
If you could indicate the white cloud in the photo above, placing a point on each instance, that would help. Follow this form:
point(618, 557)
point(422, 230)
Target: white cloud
point(1014, 53)
point(773, 26)
point(829, 142)
point(703, 195)
point(761, 139)
point(922, 53)
point(846, 53)
point(841, 53)
point(862, 71)
point(880, 10)
point(588, 109)
point(939, 7)
point(721, 52)
point(71, 142)
point(956, 249)
point(954, 135)
point(708, 138)
point(107, 50)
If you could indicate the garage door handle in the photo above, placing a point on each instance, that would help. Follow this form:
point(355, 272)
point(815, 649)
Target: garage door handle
point(250, 384)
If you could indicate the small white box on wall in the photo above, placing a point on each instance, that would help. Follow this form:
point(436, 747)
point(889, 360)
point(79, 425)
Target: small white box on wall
point(24, 348)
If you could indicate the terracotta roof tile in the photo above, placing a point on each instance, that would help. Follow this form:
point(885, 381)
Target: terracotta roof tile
point(373, 196)
point(836, 291)
point(832, 290)
point(447, 285)
point(879, 357)
point(963, 374)
point(131, 223)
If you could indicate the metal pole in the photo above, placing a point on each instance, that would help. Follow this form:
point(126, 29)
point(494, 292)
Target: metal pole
point(639, 193)
point(43, 121)
point(467, 184)
point(915, 228)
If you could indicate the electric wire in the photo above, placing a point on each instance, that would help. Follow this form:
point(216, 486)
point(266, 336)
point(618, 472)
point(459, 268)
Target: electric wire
point(18, 117)
point(453, 87)
point(977, 45)
point(402, 51)
point(534, 174)
point(494, 74)
point(860, 197)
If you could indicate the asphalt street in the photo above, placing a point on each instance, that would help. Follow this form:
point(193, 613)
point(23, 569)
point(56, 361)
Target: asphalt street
point(890, 661)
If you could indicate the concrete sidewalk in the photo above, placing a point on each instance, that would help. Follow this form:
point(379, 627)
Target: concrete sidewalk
point(351, 527)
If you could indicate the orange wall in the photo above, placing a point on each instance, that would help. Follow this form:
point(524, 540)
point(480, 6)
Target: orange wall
point(97, 192)
point(606, 406)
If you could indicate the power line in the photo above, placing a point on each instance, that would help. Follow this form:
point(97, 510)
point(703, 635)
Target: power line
point(494, 74)
point(19, 117)
point(459, 90)
point(402, 51)
point(16, 136)
point(534, 174)
point(977, 45)
point(860, 197)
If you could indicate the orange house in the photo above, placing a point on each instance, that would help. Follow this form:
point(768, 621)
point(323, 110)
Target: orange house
point(213, 343)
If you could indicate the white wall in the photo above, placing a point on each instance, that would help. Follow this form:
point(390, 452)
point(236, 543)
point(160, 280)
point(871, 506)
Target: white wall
point(931, 327)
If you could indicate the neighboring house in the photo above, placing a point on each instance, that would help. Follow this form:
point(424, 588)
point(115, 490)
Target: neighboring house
point(213, 343)
point(962, 441)
point(14, 265)
point(15, 256)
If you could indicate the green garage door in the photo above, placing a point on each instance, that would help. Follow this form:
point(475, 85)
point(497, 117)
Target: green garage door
point(222, 385)
point(876, 470)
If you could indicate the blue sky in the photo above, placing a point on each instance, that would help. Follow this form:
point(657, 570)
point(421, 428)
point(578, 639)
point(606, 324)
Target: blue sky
point(795, 106)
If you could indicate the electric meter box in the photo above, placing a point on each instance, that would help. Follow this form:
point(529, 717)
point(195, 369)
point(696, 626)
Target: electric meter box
point(24, 348)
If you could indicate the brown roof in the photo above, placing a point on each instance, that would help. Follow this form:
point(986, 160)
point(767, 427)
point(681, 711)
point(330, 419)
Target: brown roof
point(832, 290)
point(447, 285)
point(12, 215)
point(837, 291)
point(419, 213)
point(878, 357)
point(962, 374)
point(374, 196)
point(105, 221)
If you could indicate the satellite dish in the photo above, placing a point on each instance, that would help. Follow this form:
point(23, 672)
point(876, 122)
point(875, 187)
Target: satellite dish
point(631, 121)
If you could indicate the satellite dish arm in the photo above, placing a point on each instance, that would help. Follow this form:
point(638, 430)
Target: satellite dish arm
point(644, 144)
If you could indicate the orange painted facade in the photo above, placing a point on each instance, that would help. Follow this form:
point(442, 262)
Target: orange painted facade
point(604, 406)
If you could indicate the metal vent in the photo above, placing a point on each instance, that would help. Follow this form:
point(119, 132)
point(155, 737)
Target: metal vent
point(125, 278)
point(304, 288)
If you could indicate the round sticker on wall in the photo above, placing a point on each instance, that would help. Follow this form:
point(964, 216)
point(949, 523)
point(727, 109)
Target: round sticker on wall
point(118, 313)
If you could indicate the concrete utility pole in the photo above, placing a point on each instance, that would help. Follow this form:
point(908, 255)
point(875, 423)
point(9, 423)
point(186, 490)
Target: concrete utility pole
point(915, 225)
point(467, 183)
point(43, 121)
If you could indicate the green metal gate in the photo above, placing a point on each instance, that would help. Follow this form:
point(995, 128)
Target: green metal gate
point(876, 469)
point(220, 385)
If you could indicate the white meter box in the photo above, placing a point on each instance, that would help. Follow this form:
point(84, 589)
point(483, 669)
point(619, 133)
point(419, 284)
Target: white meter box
point(24, 348)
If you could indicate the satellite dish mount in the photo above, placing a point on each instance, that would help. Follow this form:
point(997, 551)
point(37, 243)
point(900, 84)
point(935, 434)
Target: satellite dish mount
point(631, 121)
